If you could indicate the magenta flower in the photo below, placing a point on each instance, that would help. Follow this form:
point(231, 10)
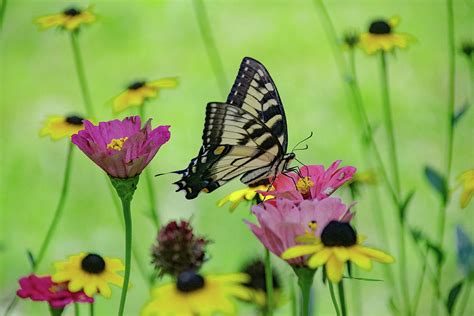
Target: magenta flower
point(121, 148)
point(44, 289)
point(283, 220)
point(312, 182)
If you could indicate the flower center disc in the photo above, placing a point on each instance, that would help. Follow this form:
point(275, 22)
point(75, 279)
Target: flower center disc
point(93, 263)
point(338, 234)
point(72, 12)
point(74, 120)
point(189, 281)
point(304, 185)
point(380, 27)
point(136, 85)
point(117, 143)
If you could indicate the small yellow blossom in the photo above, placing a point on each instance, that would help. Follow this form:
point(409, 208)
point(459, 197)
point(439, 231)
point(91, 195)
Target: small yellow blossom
point(70, 19)
point(57, 126)
point(466, 180)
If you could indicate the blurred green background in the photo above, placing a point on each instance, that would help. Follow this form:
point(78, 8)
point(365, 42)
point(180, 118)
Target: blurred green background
point(153, 39)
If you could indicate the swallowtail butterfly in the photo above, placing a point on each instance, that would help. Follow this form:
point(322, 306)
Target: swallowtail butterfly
point(246, 135)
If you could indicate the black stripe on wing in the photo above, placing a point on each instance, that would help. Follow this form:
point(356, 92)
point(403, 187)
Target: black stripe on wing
point(255, 92)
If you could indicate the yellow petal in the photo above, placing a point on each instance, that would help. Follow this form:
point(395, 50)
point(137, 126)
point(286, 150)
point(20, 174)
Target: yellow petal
point(298, 251)
point(104, 289)
point(341, 253)
point(394, 21)
point(334, 269)
point(75, 285)
point(375, 254)
point(360, 260)
point(320, 258)
point(466, 197)
point(164, 83)
point(90, 288)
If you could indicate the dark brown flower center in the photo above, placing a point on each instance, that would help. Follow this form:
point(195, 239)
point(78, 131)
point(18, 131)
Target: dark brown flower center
point(136, 85)
point(93, 263)
point(72, 12)
point(74, 120)
point(338, 234)
point(380, 27)
point(189, 281)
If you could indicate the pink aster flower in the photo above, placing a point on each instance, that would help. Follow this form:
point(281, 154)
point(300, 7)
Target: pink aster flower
point(284, 220)
point(44, 289)
point(121, 148)
point(312, 182)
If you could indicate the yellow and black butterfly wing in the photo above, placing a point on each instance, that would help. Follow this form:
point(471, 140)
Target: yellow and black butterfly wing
point(234, 143)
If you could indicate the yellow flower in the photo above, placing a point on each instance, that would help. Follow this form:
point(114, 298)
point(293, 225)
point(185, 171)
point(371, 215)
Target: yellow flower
point(193, 294)
point(337, 245)
point(57, 126)
point(381, 37)
point(89, 272)
point(140, 91)
point(247, 194)
point(70, 19)
point(466, 180)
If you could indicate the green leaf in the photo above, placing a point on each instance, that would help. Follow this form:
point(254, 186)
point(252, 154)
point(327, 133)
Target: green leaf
point(453, 296)
point(394, 307)
point(438, 252)
point(404, 205)
point(460, 113)
point(422, 239)
point(437, 181)
point(31, 258)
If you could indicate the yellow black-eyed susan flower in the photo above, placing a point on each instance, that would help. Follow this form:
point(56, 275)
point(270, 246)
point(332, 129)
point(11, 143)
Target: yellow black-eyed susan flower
point(70, 19)
point(140, 91)
point(467, 48)
point(89, 272)
point(258, 287)
point(249, 194)
point(338, 244)
point(381, 37)
point(193, 294)
point(466, 181)
point(57, 126)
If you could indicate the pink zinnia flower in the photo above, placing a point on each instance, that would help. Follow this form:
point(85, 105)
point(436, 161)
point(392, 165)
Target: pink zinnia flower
point(44, 289)
point(121, 148)
point(312, 182)
point(284, 220)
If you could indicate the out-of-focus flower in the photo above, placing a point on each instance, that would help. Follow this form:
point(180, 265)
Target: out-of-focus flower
point(381, 37)
point(467, 48)
point(193, 294)
point(140, 91)
point(70, 19)
point(361, 179)
point(258, 286)
point(57, 126)
point(90, 273)
point(121, 148)
point(250, 194)
point(338, 244)
point(466, 181)
point(177, 249)
point(465, 253)
point(350, 40)
point(42, 288)
point(311, 182)
point(283, 220)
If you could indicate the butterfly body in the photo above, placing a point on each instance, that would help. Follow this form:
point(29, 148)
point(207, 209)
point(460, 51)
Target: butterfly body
point(245, 136)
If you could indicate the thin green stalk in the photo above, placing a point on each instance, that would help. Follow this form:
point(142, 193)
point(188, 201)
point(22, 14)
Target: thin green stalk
point(211, 47)
point(81, 75)
point(150, 187)
point(59, 209)
point(91, 309)
point(418, 291)
point(342, 297)
point(465, 298)
point(3, 9)
point(333, 298)
point(128, 246)
point(294, 299)
point(269, 282)
point(77, 312)
point(305, 282)
point(450, 137)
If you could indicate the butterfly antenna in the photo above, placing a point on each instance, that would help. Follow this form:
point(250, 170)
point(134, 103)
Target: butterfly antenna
point(162, 174)
point(302, 141)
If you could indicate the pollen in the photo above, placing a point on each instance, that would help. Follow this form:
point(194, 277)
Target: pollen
point(304, 185)
point(117, 143)
point(313, 226)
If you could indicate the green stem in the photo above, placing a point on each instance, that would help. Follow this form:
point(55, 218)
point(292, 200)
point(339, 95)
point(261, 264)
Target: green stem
point(333, 298)
point(77, 312)
point(418, 291)
point(91, 309)
point(59, 209)
point(465, 299)
point(294, 300)
point(81, 75)
point(3, 9)
point(211, 47)
point(55, 311)
point(450, 130)
point(150, 187)
point(342, 297)
point(269, 282)
point(305, 282)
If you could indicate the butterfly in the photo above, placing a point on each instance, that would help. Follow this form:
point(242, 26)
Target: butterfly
point(245, 136)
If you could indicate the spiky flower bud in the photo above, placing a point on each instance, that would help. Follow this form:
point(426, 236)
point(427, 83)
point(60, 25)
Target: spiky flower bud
point(177, 249)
